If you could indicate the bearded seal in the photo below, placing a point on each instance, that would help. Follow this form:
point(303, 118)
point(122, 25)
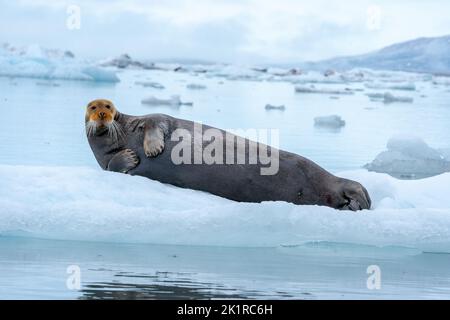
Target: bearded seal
point(145, 145)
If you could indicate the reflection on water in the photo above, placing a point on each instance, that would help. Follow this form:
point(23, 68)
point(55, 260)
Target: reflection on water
point(162, 285)
point(36, 269)
point(170, 285)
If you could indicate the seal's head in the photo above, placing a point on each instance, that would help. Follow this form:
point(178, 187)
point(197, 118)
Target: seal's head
point(100, 118)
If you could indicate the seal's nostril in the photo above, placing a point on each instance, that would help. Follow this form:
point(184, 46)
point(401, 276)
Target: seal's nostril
point(102, 115)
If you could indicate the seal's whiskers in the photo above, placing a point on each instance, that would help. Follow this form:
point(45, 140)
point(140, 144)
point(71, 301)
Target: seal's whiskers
point(91, 128)
point(115, 132)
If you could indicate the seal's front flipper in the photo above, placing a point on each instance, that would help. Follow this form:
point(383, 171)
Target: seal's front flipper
point(123, 161)
point(354, 196)
point(153, 140)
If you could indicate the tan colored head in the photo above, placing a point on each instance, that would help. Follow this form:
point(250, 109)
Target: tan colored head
point(100, 115)
point(101, 111)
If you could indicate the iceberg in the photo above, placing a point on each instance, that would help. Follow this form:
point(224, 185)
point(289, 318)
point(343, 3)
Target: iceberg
point(47, 84)
point(195, 86)
point(317, 77)
point(323, 91)
point(388, 98)
point(173, 101)
point(125, 61)
point(273, 107)
point(409, 158)
point(333, 121)
point(150, 84)
point(235, 72)
point(58, 203)
point(445, 81)
point(392, 86)
point(281, 72)
point(37, 62)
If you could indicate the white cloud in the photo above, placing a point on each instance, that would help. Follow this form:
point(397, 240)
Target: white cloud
point(264, 30)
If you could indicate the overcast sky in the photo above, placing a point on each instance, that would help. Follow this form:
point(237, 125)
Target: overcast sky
point(239, 31)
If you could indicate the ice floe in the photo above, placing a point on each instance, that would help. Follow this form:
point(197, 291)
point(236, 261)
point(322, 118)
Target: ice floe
point(445, 81)
point(150, 84)
point(391, 86)
point(274, 107)
point(196, 86)
point(410, 157)
point(312, 89)
point(79, 203)
point(37, 62)
point(388, 97)
point(125, 61)
point(332, 121)
point(173, 101)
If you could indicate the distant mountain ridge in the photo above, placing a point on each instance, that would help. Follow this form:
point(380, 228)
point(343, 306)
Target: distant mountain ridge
point(428, 55)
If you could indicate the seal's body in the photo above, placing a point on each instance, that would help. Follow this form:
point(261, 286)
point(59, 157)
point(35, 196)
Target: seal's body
point(142, 145)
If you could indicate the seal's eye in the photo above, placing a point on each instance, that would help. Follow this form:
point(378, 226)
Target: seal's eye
point(108, 106)
point(93, 108)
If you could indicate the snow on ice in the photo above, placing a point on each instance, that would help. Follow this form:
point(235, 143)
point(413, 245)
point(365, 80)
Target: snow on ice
point(79, 203)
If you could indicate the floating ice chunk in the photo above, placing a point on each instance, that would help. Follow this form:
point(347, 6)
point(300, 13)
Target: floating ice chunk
point(409, 86)
point(47, 84)
point(273, 107)
point(390, 98)
point(346, 91)
point(195, 86)
point(235, 72)
point(35, 51)
point(125, 61)
point(414, 147)
point(95, 74)
point(264, 70)
point(333, 121)
point(375, 96)
point(173, 101)
point(354, 75)
point(328, 77)
point(410, 157)
point(36, 62)
point(329, 73)
point(150, 84)
point(316, 77)
point(281, 72)
point(445, 81)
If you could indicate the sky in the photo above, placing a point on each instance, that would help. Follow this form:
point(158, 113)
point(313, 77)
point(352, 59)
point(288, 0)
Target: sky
point(235, 31)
